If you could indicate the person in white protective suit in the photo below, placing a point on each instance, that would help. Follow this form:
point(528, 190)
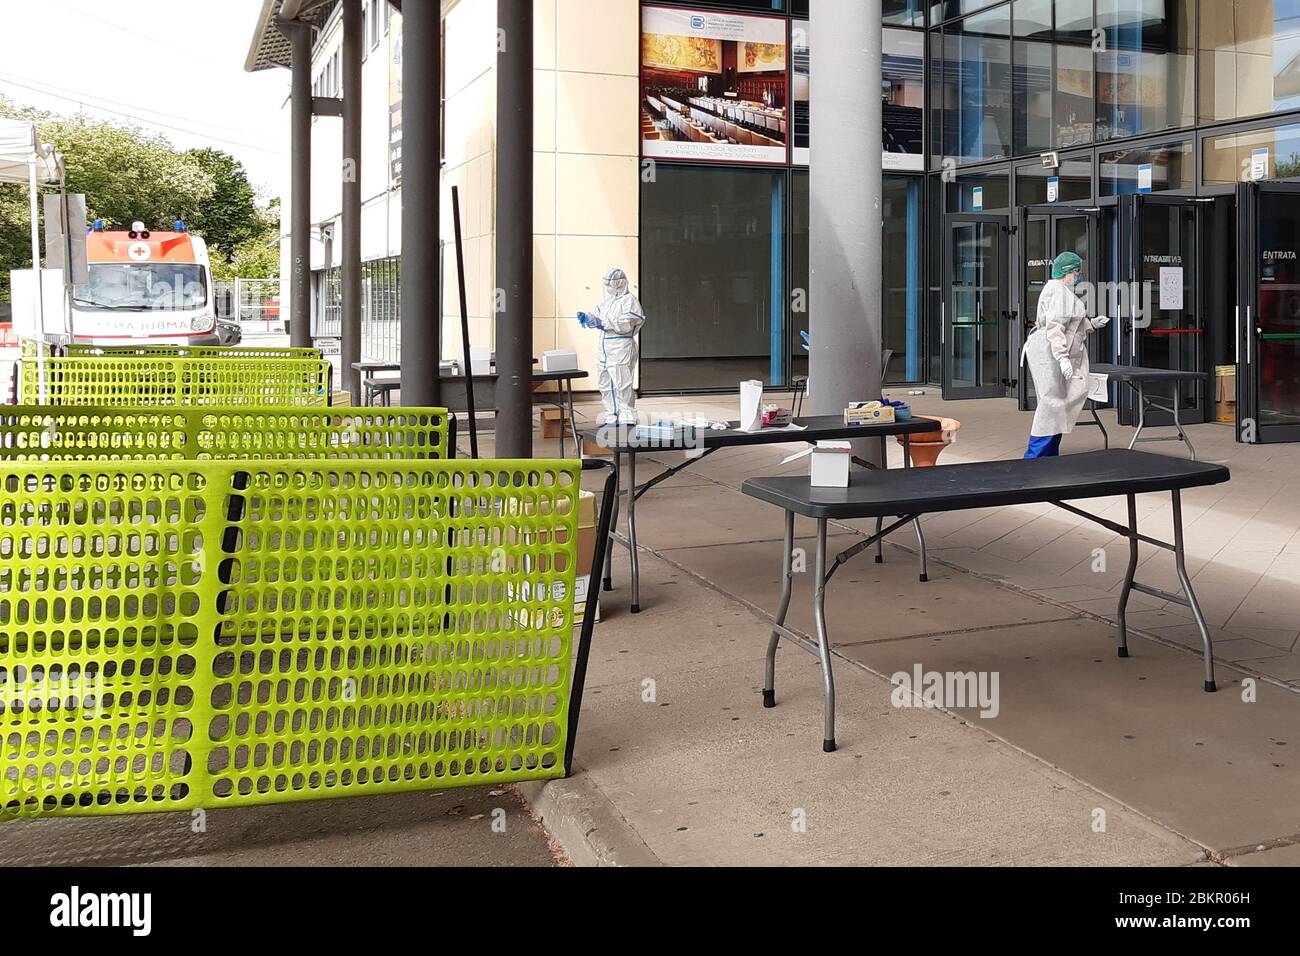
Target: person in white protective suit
point(1058, 357)
point(618, 319)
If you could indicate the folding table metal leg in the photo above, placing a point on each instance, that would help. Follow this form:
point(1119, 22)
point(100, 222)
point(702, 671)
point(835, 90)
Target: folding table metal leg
point(824, 641)
point(1178, 402)
point(1180, 562)
point(880, 522)
point(787, 587)
point(573, 418)
point(631, 534)
point(920, 535)
point(1105, 435)
point(1128, 576)
point(613, 524)
point(1142, 413)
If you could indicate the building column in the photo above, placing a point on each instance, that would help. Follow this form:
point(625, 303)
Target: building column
point(353, 44)
point(845, 223)
point(421, 315)
point(514, 254)
point(300, 111)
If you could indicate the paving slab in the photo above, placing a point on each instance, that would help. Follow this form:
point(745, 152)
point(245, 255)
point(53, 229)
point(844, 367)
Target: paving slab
point(436, 828)
point(704, 774)
point(1210, 766)
point(708, 515)
point(865, 601)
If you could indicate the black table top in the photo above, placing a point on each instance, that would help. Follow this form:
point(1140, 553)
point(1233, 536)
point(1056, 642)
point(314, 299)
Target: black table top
point(989, 484)
point(1135, 373)
point(565, 375)
point(623, 438)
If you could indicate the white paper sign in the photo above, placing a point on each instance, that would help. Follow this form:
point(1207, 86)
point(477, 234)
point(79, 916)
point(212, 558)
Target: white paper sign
point(1053, 189)
point(1258, 165)
point(1146, 177)
point(1098, 387)
point(1171, 288)
point(977, 198)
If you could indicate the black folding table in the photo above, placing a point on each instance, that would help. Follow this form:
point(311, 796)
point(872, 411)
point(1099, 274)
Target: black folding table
point(698, 443)
point(993, 484)
point(455, 395)
point(1137, 378)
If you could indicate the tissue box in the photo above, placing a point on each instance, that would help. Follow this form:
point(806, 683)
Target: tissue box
point(559, 360)
point(830, 464)
point(868, 413)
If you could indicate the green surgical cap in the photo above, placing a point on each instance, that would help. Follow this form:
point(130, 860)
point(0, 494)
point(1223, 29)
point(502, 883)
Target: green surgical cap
point(1066, 263)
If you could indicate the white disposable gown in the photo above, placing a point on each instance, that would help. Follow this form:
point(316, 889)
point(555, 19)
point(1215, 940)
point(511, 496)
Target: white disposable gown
point(620, 318)
point(1061, 333)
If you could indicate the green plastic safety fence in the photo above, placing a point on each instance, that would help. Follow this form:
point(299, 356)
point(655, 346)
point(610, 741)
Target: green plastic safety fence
point(181, 635)
point(192, 351)
point(158, 382)
point(43, 432)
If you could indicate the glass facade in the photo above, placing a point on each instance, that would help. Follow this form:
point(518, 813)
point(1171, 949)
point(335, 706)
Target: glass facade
point(1130, 97)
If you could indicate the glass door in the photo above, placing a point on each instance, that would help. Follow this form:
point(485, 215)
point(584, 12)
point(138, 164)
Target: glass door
point(1044, 233)
point(1268, 315)
point(976, 331)
point(1163, 326)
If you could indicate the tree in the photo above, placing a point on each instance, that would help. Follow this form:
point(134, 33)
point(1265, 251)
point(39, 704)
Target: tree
point(230, 217)
point(129, 174)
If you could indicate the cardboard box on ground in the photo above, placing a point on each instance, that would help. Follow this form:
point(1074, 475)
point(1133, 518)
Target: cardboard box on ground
point(1225, 394)
point(554, 422)
point(585, 577)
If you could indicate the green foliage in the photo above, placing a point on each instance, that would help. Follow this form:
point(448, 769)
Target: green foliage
point(130, 174)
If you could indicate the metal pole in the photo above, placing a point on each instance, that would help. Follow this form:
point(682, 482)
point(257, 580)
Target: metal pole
point(470, 411)
point(38, 299)
point(353, 43)
point(421, 318)
point(514, 256)
point(845, 217)
point(299, 35)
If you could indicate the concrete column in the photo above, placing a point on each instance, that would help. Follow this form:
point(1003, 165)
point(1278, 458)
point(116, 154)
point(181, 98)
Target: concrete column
point(421, 190)
point(299, 277)
point(845, 216)
point(514, 203)
point(353, 43)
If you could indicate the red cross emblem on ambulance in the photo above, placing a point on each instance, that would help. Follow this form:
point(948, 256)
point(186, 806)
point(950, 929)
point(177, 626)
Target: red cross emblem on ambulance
point(138, 250)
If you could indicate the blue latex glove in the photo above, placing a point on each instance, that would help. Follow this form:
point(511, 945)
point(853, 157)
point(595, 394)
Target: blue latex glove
point(583, 320)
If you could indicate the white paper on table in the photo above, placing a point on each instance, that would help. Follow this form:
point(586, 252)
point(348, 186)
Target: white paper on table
point(751, 405)
point(1098, 387)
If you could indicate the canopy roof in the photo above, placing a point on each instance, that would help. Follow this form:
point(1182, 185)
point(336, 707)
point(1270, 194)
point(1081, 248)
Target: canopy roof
point(18, 140)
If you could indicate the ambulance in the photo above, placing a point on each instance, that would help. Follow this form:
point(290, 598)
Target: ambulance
point(145, 288)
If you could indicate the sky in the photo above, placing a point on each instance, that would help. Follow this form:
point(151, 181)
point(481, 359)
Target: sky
point(174, 67)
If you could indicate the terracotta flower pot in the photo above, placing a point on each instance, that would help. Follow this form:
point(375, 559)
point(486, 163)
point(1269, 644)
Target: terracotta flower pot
point(927, 447)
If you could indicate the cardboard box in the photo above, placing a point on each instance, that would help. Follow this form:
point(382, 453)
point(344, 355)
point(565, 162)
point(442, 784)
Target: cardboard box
point(341, 398)
point(586, 578)
point(830, 463)
point(1225, 394)
point(591, 449)
point(554, 422)
point(872, 414)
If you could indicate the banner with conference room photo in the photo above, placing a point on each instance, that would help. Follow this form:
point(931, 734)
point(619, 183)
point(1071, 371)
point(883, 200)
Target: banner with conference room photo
point(902, 90)
point(714, 86)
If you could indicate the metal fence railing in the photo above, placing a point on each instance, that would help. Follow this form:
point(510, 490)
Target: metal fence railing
point(381, 308)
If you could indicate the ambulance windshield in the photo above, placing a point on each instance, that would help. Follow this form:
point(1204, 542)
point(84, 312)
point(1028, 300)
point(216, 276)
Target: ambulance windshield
point(139, 286)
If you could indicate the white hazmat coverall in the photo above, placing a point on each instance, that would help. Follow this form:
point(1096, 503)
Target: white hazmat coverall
point(1060, 336)
point(619, 318)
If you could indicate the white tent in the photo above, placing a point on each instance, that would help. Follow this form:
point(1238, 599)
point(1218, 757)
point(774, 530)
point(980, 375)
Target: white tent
point(25, 159)
point(18, 143)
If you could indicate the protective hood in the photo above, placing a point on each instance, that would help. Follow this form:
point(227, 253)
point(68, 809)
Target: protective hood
point(620, 313)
